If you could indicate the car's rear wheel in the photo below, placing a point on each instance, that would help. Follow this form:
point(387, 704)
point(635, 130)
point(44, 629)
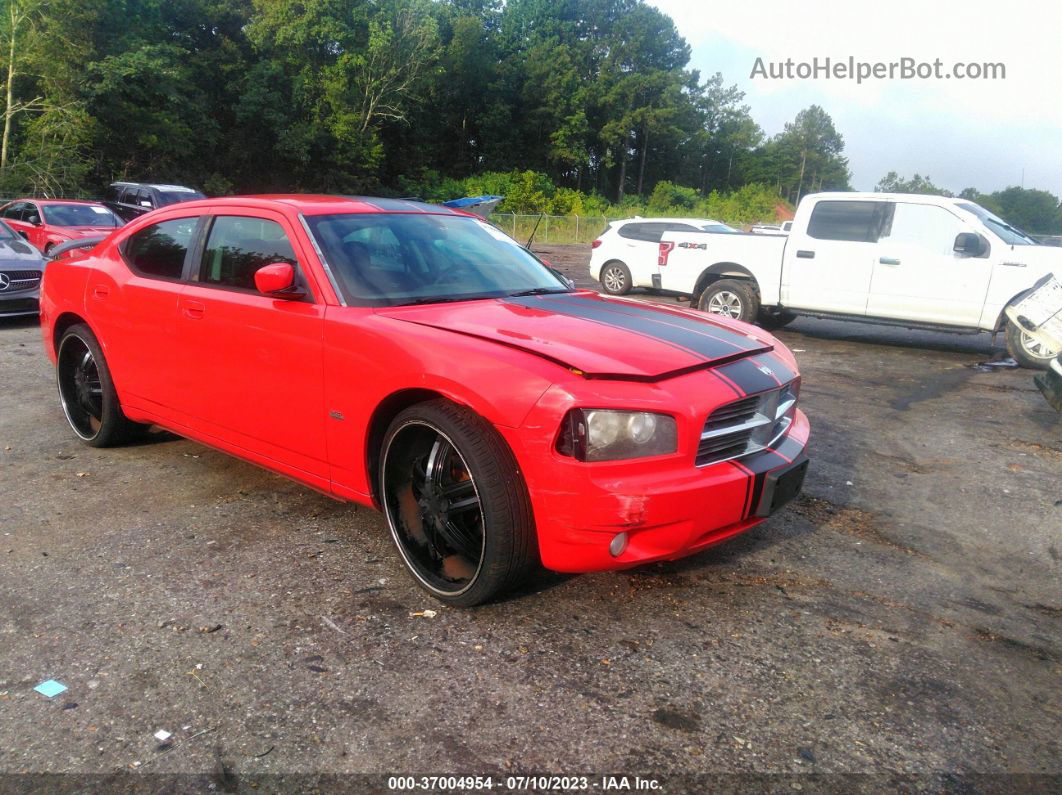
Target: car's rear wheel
point(87, 393)
point(615, 278)
point(456, 504)
point(731, 298)
point(1027, 351)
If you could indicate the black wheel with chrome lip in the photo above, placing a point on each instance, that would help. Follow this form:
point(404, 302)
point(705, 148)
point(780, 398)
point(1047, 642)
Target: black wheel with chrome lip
point(455, 503)
point(86, 391)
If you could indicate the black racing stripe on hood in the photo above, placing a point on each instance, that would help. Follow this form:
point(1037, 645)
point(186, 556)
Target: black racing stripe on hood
point(777, 365)
point(748, 376)
point(702, 339)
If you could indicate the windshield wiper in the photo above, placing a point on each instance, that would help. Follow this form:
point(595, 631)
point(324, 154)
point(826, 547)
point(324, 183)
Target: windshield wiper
point(444, 299)
point(539, 291)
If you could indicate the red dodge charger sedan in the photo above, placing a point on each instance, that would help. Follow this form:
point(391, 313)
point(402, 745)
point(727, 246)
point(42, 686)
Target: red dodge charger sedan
point(415, 359)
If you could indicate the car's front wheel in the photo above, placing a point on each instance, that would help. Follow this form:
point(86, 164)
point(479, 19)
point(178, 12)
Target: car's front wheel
point(1026, 350)
point(616, 278)
point(456, 504)
point(87, 392)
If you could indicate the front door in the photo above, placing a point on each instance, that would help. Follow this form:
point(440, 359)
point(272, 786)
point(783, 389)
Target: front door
point(917, 274)
point(251, 365)
point(828, 266)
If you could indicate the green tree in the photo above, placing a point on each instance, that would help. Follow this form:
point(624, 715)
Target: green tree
point(894, 183)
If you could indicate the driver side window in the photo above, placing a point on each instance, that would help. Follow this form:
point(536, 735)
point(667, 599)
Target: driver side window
point(238, 246)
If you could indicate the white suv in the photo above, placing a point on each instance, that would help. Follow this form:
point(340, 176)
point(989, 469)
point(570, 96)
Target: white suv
point(625, 255)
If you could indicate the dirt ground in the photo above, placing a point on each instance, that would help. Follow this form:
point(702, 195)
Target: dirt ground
point(898, 626)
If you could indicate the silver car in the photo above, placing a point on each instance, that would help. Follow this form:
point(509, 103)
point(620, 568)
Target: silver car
point(21, 268)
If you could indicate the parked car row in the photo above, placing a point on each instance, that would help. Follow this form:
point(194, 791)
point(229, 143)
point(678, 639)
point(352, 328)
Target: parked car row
point(60, 227)
point(911, 260)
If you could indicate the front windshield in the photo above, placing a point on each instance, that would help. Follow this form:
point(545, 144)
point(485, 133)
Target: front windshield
point(1007, 233)
point(385, 259)
point(79, 215)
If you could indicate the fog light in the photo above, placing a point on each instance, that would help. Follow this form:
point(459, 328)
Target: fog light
point(619, 543)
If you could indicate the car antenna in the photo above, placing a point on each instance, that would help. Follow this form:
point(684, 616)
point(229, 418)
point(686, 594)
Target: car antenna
point(527, 245)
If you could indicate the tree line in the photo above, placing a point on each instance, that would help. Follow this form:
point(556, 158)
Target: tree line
point(394, 97)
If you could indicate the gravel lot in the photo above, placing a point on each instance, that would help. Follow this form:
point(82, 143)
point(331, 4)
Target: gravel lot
point(900, 620)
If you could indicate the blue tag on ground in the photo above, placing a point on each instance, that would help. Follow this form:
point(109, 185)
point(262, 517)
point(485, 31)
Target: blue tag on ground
point(50, 689)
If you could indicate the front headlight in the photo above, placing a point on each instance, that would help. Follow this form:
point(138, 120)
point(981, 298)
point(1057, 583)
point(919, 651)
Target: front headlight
point(607, 435)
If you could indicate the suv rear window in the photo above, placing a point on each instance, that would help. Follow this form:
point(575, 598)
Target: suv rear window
point(854, 221)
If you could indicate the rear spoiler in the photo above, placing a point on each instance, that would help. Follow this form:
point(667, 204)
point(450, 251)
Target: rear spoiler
point(86, 242)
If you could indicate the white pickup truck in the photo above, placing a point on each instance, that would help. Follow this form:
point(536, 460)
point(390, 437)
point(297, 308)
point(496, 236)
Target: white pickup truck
point(909, 260)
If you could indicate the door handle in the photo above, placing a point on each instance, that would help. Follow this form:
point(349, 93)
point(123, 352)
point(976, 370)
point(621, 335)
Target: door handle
point(100, 291)
point(888, 260)
point(194, 310)
point(802, 254)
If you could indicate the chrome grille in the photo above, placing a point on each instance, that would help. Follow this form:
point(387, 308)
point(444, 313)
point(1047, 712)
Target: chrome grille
point(746, 426)
point(21, 280)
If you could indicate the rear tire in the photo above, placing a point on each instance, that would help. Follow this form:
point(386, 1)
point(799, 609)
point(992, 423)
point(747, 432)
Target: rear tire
point(734, 298)
point(456, 504)
point(1025, 350)
point(87, 392)
point(615, 278)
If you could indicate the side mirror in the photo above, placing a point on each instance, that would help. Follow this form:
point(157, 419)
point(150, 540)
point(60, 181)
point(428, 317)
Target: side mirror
point(35, 220)
point(277, 281)
point(970, 244)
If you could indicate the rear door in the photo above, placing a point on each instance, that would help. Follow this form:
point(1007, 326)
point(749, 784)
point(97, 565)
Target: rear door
point(135, 310)
point(919, 276)
point(251, 365)
point(829, 265)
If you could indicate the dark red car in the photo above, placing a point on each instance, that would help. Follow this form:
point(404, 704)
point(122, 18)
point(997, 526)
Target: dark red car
point(416, 359)
point(46, 223)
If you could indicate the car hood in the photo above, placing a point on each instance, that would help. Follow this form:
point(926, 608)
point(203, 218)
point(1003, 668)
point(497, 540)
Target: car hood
point(15, 253)
point(602, 337)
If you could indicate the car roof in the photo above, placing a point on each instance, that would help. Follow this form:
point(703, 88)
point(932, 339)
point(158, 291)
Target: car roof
point(50, 202)
point(319, 204)
point(916, 198)
point(639, 219)
point(157, 186)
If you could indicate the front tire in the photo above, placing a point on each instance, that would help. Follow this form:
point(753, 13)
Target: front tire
point(615, 278)
point(731, 298)
point(87, 392)
point(456, 504)
point(1026, 351)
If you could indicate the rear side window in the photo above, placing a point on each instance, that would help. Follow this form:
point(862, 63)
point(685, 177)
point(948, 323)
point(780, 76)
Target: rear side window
point(238, 246)
point(652, 231)
point(854, 221)
point(159, 250)
point(632, 231)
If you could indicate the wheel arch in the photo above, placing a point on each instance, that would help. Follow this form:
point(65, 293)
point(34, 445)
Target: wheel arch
point(722, 270)
point(61, 324)
point(1001, 319)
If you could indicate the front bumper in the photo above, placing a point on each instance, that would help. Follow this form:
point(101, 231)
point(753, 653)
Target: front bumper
point(23, 302)
point(668, 508)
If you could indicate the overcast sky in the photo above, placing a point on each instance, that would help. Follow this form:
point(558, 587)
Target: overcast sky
point(962, 133)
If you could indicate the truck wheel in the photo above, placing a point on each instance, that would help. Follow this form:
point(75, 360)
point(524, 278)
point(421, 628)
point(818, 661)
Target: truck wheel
point(1026, 351)
point(616, 278)
point(456, 503)
point(775, 320)
point(731, 298)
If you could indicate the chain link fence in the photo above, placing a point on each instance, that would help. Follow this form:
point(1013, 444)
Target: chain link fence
point(553, 228)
